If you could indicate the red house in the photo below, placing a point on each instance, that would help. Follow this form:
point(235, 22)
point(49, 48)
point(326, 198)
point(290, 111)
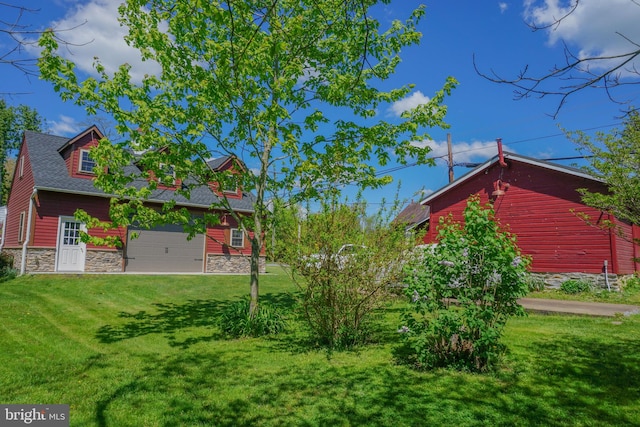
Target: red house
point(538, 201)
point(53, 178)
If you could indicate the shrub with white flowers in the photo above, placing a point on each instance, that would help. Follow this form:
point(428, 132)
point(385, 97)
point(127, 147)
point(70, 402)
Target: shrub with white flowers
point(462, 291)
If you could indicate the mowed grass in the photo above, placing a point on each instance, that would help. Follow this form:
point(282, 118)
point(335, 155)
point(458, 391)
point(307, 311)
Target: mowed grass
point(145, 351)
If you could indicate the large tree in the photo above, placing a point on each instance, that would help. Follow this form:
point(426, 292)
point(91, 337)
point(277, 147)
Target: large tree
point(14, 120)
point(290, 86)
point(615, 158)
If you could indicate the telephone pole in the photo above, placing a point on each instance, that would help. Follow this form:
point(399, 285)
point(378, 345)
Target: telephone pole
point(450, 157)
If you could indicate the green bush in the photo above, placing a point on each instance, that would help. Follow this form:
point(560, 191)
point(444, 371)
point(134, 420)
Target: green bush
point(346, 264)
point(535, 283)
point(7, 272)
point(572, 286)
point(630, 285)
point(462, 292)
point(236, 322)
point(6, 260)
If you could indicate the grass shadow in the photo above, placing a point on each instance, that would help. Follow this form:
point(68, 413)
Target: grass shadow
point(168, 318)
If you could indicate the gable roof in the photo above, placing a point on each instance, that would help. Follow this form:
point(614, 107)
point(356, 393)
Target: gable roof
point(413, 215)
point(515, 157)
point(219, 162)
point(50, 173)
point(91, 129)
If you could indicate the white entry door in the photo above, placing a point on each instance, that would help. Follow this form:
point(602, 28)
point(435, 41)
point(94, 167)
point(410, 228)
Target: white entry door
point(71, 251)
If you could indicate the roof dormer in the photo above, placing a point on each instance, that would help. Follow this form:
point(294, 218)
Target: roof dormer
point(233, 167)
point(77, 153)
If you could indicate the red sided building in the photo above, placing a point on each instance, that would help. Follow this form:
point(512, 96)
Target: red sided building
point(53, 178)
point(538, 201)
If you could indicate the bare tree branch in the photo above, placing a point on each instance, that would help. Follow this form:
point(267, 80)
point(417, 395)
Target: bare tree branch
point(578, 73)
point(19, 36)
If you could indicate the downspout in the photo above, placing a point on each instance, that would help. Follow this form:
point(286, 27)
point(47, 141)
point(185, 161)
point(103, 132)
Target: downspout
point(23, 261)
point(500, 153)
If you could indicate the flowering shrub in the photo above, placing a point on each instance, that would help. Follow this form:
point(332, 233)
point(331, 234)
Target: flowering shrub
point(462, 292)
point(340, 291)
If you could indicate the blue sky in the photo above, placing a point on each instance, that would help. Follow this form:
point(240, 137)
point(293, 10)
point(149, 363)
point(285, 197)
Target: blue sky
point(453, 32)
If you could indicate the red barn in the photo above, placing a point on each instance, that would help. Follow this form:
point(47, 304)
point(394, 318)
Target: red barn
point(538, 201)
point(54, 177)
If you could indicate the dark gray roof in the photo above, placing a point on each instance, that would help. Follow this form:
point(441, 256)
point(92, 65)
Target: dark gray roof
point(50, 173)
point(413, 215)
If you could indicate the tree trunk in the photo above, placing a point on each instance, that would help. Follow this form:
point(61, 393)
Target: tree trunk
point(255, 275)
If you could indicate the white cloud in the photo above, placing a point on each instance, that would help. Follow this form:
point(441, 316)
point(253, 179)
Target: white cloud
point(503, 7)
point(408, 103)
point(92, 30)
point(594, 28)
point(65, 126)
point(464, 152)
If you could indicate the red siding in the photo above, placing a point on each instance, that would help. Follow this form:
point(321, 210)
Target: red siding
point(626, 249)
point(219, 237)
point(21, 189)
point(51, 206)
point(71, 153)
point(540, 208)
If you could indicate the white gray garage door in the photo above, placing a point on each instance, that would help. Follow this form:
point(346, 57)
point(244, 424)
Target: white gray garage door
point(164, 249)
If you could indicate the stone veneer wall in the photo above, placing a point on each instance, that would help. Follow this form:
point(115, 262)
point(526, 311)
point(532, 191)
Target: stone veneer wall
point(555, 280)
point(101, 261)
point(43, 260)
point(38, 259)
point(232, 264)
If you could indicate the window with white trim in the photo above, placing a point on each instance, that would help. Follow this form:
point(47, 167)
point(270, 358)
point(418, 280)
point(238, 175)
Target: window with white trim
point(21, 169)
point(167, 174)
point(21, 227)
point(237, 238)
point(87, 164)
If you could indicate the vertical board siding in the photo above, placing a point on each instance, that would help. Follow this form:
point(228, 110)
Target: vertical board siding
point(540, 207)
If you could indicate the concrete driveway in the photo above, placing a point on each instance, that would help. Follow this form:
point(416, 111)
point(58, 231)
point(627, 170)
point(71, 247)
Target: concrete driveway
point(577, 307)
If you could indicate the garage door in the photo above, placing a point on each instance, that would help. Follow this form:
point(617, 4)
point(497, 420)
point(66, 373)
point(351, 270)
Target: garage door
point(164, 249)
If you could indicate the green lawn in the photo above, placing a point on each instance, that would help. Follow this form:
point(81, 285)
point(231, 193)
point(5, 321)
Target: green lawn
point(145, 351)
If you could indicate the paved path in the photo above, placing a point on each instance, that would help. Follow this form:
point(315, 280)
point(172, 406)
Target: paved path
point(577, 307)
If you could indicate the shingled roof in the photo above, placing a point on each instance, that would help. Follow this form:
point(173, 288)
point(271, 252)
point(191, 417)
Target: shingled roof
point(50, 173)
point(413, 215)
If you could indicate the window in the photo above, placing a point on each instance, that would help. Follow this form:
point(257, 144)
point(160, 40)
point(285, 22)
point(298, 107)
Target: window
point(71, 236)
point(21, 227)
point(237, 238)
point(86, 162)
point(167, 174)
point(230, 188)
point(230, 183)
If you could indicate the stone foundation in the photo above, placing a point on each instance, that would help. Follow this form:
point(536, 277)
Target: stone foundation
point(43, 260)
point(555, 280)
point(101, 261)
point(39, 260)
point(232, 264)
point(17, 257)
